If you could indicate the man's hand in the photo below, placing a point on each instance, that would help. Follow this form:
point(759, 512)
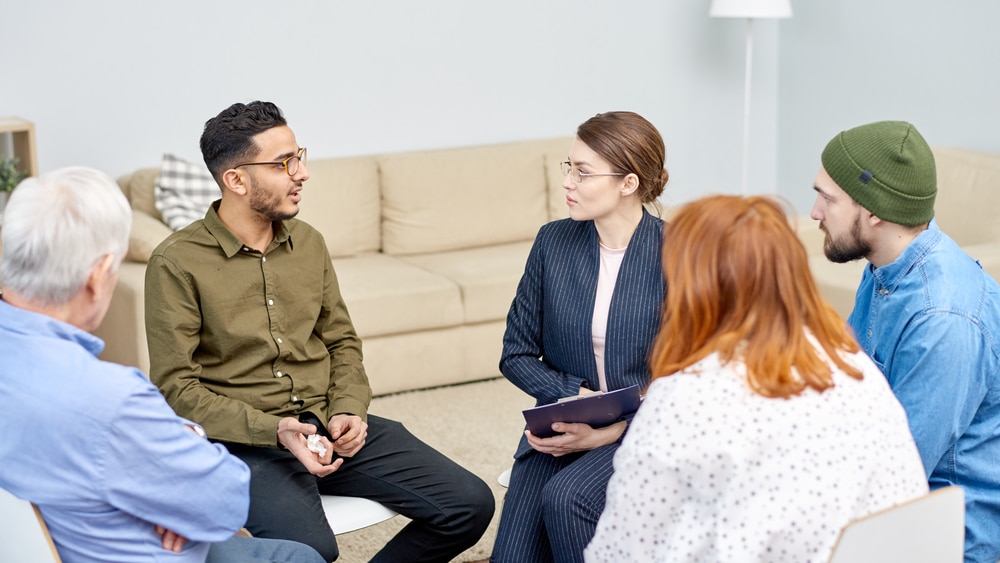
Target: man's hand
point(576, 437)
point(292, 434)
point(172, 541)
point(349, 433)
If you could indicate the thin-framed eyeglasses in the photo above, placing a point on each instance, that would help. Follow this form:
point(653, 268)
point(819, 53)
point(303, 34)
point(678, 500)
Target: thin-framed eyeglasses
point(291, 163)
point(578, 176)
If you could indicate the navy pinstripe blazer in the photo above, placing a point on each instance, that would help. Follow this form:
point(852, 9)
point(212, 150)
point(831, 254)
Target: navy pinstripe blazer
point(548, 349)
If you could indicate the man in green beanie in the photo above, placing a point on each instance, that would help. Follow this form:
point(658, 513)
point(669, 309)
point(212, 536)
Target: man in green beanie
point(925, 311)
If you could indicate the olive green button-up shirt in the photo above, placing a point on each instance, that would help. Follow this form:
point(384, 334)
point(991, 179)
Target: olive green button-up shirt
point(240, 338)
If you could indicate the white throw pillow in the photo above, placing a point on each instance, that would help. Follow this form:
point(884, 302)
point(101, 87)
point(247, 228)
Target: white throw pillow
point(184, 190)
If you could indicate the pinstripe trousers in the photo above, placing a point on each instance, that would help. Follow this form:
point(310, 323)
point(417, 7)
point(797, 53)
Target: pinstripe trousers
point(551, 509)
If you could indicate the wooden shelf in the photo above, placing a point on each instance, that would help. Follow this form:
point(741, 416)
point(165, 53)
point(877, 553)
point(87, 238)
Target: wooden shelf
point(22, 133)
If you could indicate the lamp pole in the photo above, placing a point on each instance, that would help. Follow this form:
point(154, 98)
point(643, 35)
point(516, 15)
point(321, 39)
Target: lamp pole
point(746, 107)
point(749, 9)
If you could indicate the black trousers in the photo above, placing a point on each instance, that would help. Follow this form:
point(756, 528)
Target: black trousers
point(450, 507)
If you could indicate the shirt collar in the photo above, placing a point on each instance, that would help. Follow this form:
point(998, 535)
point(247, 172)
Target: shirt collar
point(890, 275)
point(228, 241)
point(29, 323)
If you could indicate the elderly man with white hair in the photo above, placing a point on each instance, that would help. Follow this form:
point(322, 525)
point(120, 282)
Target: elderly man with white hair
point(116, 474)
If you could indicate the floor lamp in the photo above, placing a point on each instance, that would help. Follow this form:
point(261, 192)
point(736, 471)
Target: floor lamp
point(749, 9)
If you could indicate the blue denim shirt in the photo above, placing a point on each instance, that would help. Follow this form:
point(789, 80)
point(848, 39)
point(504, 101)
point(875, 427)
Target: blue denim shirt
point(931, 321)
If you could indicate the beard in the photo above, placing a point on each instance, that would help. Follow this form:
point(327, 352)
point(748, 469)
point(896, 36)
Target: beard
point(268, 204)
point(852, 246)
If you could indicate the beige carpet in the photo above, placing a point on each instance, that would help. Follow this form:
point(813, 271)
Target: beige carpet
point(475, 424)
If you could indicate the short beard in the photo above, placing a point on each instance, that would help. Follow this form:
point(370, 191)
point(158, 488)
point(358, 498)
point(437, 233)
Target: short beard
point(848, 248)
point(266, 206)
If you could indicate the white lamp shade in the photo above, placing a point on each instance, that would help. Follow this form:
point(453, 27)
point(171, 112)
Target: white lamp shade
point(751, 9)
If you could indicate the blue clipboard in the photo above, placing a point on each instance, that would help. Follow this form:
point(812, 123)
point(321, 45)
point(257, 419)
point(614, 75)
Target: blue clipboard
point(597, 410)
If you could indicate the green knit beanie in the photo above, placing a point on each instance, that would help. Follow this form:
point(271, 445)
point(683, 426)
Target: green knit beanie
point(887, 168)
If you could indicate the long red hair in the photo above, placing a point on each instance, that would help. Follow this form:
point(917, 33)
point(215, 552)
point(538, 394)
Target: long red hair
point(739, 284)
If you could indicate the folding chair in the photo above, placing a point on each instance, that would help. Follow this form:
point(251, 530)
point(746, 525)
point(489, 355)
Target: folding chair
point(930, 529)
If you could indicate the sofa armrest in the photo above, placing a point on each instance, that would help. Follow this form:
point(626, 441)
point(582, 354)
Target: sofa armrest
point(147, 234)
point(124, 327)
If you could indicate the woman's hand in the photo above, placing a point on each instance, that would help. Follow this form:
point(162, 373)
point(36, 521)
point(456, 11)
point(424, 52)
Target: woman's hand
point(576, 437)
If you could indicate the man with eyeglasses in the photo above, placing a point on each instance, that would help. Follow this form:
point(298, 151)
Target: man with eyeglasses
point(250, 337)
point(116, 475)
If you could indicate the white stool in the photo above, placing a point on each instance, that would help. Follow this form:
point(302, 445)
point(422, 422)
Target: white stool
point(504, 478)
point(347, 514)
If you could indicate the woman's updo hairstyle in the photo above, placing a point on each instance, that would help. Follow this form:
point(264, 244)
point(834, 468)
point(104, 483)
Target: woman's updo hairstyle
point(631, 145)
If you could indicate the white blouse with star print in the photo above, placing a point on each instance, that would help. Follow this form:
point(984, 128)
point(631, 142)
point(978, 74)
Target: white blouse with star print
point(712, 471)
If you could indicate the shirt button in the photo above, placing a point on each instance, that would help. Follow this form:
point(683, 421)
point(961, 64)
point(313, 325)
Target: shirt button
point(278, 374)
point(869, 334)
point(247, 248)
point(270, 301)
point(295, 398)
point(263, 258)
point(279, 341)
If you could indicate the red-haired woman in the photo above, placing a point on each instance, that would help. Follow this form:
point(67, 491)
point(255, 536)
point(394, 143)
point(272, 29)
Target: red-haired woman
point(765, 429)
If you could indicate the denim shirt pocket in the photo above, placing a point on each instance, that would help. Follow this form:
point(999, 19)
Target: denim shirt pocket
point(878, 363)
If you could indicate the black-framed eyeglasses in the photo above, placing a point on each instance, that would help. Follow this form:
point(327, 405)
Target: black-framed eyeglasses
point(291, 163)
point(578, 176)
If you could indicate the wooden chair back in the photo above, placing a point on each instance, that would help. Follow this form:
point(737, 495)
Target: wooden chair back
point(23, 533)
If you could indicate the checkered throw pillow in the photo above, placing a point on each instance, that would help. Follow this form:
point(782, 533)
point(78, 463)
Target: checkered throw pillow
point(184, 190)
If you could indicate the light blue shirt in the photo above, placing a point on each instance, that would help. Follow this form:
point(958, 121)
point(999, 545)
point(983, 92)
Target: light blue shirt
point(96, 447)
point(931, 322)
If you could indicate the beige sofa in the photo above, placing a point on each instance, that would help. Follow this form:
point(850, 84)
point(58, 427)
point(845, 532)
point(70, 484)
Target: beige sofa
point(428, 246)
point(967, 209)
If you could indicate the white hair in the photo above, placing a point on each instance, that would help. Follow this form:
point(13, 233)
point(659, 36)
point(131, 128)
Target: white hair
point(56, 228)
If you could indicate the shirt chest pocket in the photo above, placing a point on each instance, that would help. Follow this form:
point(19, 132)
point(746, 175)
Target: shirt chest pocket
point(877, 360)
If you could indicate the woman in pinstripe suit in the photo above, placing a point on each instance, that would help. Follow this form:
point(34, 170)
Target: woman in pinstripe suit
point(584, 318)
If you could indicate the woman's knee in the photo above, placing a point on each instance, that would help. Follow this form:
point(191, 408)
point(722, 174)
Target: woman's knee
point(562, 499)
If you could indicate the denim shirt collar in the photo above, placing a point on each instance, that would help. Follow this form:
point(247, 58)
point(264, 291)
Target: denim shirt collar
point(888, 277)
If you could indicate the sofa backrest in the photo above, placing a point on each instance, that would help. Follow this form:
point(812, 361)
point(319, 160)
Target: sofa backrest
point(341, 200)
point(450, 199)
point(967, 204)
point(406, 203)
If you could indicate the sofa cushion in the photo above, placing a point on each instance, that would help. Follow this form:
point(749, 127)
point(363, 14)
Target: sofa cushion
point(386, 295)
point(487, 276)
point(139, 190)
point(341, 200)
point(967, 207)
point(988, 256)
point(440, 200)
point(810, 234)
point(837, 283)
point(184, 190)
point(555, 155)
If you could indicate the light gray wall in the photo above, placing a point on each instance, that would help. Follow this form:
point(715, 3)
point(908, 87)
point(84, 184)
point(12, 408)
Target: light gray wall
point(849, 62)
point(115, 83)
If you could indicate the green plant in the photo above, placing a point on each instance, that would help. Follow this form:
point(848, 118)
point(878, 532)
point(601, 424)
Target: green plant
point(10, 175)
